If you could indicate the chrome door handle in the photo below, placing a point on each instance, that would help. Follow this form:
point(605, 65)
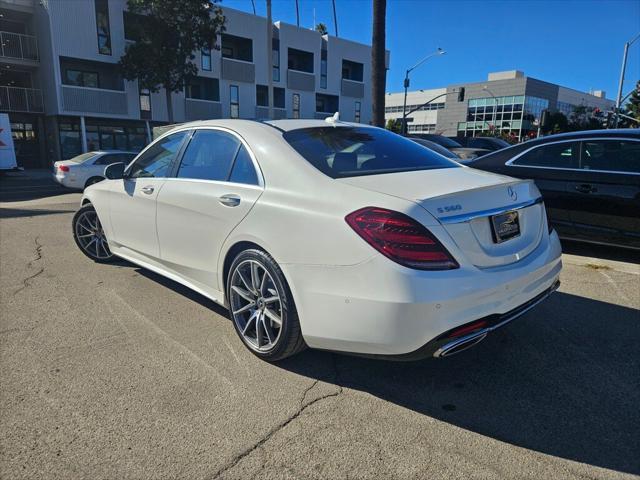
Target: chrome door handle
point(230, 200)
point(148, 190)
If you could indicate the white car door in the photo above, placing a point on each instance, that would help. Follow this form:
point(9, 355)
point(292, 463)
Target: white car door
point(132, 203)
point(214, 187)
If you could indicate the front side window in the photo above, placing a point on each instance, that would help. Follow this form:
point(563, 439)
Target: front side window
point(102, 27)
point(234, 101)
point(611, 155)
point(155, 162)
point(209, 156)
point(354, 151)
point(555, 155)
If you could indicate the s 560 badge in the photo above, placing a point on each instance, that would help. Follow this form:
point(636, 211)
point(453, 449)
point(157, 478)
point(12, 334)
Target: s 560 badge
point(449, 208)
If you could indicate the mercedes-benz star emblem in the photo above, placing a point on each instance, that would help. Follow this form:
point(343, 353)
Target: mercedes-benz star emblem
point(512, 194)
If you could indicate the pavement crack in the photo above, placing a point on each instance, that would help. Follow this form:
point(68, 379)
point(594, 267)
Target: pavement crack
point(26, 282)
point(274, 430)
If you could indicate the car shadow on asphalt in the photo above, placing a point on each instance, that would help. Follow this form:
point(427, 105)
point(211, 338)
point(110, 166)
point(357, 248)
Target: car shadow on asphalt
point(28, 212)
point(561, 380)
point(604, 252)
point(564, 380)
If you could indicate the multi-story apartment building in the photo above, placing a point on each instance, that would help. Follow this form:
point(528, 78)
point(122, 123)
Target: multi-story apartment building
point(508, 101)
point(60, 83)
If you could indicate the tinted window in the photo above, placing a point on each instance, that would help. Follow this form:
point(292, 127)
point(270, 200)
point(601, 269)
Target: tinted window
point(350, 151)
point(209, 155)
point(613, 155)
point(155, 162)
point(243, 169)
point(556, 155)
point(435, 147)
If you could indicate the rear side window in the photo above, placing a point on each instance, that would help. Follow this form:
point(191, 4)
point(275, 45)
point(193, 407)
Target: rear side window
point(155, 162)
point(353, 151)
point(610, 155)
point(555, 155)
point(243, 169)
point(209, 156)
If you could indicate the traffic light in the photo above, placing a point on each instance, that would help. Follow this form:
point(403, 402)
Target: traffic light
point(461, 94)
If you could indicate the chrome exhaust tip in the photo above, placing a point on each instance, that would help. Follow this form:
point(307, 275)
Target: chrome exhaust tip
point(460, 344)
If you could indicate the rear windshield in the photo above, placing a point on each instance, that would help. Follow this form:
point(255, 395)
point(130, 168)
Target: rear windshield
point(82, 157)
point(352, 151)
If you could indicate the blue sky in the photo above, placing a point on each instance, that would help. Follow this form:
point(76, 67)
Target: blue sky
point(577, 44)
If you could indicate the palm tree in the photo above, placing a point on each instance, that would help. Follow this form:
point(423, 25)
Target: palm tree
point(378, 64)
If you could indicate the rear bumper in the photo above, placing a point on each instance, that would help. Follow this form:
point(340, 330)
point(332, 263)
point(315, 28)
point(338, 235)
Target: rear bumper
point(380, 308)
point(65, 181)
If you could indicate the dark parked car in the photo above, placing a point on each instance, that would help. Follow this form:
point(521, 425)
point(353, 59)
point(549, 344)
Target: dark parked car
point(590, 182)
point(488, 143)
point(436, 148)
point(463, 152)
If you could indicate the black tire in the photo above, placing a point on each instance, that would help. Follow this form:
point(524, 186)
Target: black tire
point(93, 180)
point(101, 252)
point(290, 340)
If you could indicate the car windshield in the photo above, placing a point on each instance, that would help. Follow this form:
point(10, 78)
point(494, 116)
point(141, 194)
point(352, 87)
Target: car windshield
point(82, 157)
point(353, 151)
point(444, 141)
point(436, 148)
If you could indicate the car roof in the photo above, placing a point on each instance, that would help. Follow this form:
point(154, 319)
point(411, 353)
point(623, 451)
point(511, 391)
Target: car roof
point(589, 133)
point(100, 152)
point(285, 125)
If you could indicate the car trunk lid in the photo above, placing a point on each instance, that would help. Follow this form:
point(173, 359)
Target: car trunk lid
point(464, 200)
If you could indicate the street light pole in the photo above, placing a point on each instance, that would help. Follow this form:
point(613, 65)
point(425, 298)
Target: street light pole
point(439, 51)
point(622, 71)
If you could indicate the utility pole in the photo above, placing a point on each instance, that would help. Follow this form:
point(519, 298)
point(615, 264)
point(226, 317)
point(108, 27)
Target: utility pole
point(621, 83)
point(439, 51)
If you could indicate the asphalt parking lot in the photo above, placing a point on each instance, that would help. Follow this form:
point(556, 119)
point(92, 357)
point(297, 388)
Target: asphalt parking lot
point(110, 371)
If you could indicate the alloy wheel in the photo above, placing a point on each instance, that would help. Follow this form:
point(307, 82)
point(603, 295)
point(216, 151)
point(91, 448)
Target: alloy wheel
point(90, 236)
point(256, 305)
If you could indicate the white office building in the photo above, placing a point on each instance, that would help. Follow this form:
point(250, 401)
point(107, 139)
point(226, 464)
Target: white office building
point(60, 83)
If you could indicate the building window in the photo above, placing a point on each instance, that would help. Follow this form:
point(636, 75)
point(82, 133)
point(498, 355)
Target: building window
point(327, 103)
point(352, 71)
point(205, 57)
point(80, 78)
point(296, 105)
point(262, 95)
point(278, 97)
point(276, 59)
point(102, 27)
point(237, 48)
point(201, 88)
point(145, 103)
point(234, 101)
point(323, 69)
point(300, 60)
point(357, 114)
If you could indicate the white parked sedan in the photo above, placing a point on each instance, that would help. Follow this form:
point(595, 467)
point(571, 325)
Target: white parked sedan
point(329, 235)
point(87, 168)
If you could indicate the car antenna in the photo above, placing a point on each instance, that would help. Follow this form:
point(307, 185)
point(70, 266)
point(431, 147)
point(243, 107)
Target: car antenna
point(333, 119)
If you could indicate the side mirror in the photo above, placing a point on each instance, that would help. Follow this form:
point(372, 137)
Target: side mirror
point(115, 171)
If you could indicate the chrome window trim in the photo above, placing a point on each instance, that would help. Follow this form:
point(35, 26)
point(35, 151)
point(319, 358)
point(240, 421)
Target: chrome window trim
point(467, 217)
point(509, 163)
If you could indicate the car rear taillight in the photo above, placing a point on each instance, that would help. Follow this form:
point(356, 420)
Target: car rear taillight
point(401, 238)
point(63, 168)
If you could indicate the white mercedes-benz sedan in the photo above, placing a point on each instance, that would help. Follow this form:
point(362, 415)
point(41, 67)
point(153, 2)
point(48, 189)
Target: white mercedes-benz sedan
point(326, 234)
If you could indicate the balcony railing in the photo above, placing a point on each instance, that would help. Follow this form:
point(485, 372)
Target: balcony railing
point(94, 100)
point(18, 46)
point(195, 109)
point(18, 99)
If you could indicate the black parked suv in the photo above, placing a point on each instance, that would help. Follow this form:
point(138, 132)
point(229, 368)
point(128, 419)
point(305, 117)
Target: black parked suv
point(488, 143)
point(590, 182)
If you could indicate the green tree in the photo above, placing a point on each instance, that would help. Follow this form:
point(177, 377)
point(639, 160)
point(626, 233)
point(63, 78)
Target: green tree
point(394, 125)
point(167, 37)
point(321, 28)
point(632, 107)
